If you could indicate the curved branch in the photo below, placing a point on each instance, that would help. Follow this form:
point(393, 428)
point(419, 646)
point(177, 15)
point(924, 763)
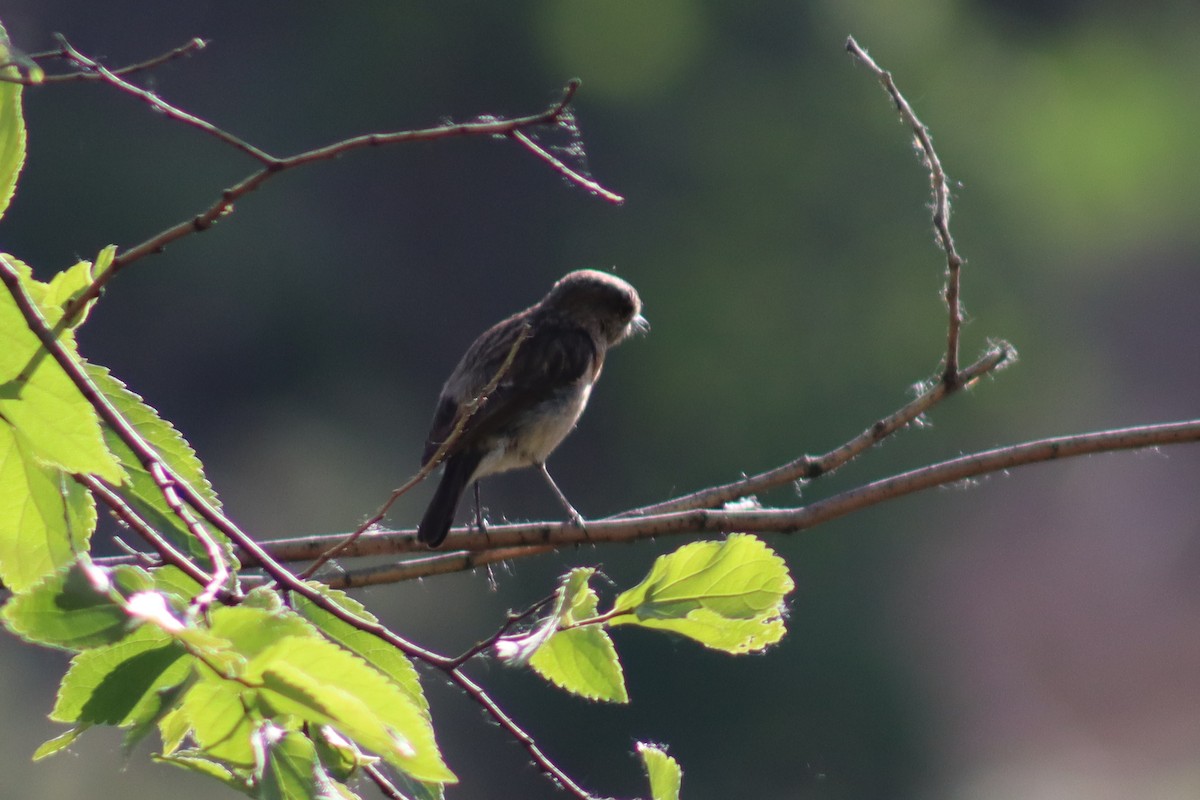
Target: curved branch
point(941, 208)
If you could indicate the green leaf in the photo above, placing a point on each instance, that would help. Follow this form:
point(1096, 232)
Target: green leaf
point(291, 770)
point(378, 653)
point(663, 771)
point(69, 610)
point(12, 124)
point(166, 702)
point(176, 584)
point(58, 743)
point(195, 761)
point(252, 630)
point(140, 490)
point(581, 660)
point(45, 405)
point(69, 284)
point(122, 683)
point(321, 683)
point(727, 595)
point(45, 516)
point(736, 636)
point(216, 714)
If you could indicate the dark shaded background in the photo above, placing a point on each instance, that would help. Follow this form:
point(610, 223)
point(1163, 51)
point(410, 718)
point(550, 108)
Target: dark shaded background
point(1033, 637)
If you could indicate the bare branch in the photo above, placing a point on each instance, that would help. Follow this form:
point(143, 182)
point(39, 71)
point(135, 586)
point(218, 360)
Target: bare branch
point(941, 210)
point(88, 74)
point(540, 535)
point(566, 171)
point(428, 566)
point(273, 166)
point(540, 760)
point(158, 104)
point(810, 467)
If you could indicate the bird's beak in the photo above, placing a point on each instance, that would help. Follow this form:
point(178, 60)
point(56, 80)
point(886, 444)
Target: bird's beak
point(640, 324)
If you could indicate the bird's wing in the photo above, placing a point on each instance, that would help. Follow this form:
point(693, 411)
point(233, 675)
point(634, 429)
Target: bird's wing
point(553, 357)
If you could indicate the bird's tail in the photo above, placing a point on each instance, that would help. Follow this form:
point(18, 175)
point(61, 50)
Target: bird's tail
point(440, 514)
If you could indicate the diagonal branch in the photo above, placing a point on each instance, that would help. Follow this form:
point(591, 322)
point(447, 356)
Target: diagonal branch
point(158, 104)
point(810, 467)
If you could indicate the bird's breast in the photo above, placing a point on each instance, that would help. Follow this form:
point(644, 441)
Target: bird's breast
point(533, 436)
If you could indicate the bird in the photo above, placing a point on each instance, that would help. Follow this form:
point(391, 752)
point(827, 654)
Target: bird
point(520, 388)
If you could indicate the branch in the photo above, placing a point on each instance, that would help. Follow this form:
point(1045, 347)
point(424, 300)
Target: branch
point(131, 519)
point(158, 104)
point(88, 74)
point(272, 165)
point(540, 760)
point(537, 536)
point(566, 171)
point(811, 467)
point(941, 209)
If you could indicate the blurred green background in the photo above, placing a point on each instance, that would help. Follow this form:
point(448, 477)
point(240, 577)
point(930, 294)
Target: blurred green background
point(1035, 636)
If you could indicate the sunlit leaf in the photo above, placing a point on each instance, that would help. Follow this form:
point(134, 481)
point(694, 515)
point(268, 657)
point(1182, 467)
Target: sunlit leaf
point(68, 610)
point(379, 654)
point(43, 402)
point(291, 770)
point(663, 771)
point(325, 684)
point(46, 518)
point(728, 595)
point(12, 123)
point(120, 683)
point(581, 660)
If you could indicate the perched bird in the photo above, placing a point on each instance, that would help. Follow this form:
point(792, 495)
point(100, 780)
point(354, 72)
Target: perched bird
point(521, 387)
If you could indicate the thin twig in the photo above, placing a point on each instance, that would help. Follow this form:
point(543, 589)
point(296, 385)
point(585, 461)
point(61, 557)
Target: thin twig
point(559, 166)
point(510, 619)
point(158, 104)
point(466, 413)
point(166, 550)
point(388, 788)
point(941, 210)
point(540, 760)
point(220, 570)
point(274, 166)
point(810, 467)
point(90, 74)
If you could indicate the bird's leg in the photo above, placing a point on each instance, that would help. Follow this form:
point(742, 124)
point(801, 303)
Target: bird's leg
point(573, 516)
point(479, 512)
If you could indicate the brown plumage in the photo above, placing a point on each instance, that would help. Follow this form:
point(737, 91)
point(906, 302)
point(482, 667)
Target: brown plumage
point(539, 396)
